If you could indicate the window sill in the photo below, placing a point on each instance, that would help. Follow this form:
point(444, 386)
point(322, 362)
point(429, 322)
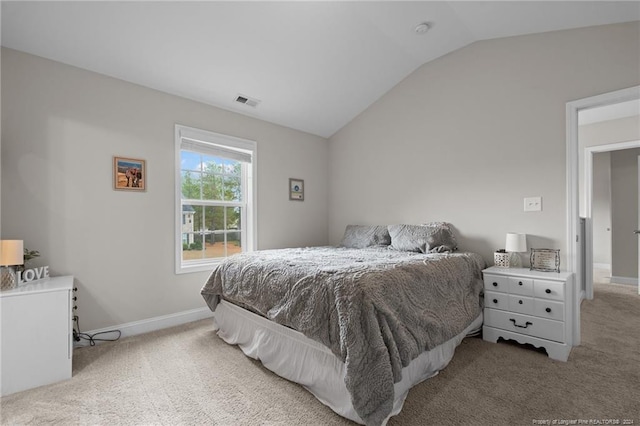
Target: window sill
point(199, 267)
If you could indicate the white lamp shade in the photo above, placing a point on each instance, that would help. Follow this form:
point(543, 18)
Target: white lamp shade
point(516, 242)
point(11, 252)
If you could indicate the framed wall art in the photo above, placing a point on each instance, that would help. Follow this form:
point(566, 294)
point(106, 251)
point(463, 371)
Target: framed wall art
point(129, 174)
point(545, 260)
point(296, 189)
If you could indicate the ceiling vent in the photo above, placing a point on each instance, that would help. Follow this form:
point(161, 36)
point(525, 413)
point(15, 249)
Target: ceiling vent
point(246, 100)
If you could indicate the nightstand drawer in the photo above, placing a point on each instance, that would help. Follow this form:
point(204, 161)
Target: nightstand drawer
point(525, 324)
point(548, 309)
point(521, 304)
point(496, 300)
point(496, 283)
point(521, 286)
point(548, 290)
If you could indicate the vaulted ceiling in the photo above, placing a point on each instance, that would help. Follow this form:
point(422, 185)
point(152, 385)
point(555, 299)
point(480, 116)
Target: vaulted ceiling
point(311, 66)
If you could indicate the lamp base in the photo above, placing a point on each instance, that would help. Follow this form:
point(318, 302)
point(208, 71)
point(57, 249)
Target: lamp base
point(514, 260)
point(8, 279)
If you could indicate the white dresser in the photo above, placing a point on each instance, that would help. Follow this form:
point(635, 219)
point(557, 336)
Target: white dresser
point(36, 334)
point(530, 307)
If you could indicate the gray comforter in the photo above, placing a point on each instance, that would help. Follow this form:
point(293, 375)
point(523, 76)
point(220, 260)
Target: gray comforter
point(376, 309)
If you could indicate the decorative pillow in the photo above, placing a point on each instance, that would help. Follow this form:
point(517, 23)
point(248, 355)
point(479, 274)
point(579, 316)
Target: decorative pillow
point(422, 238)
point(361, 236)
point(447, 236)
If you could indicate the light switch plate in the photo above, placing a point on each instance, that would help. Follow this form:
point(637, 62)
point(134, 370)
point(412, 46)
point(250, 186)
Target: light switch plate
point(533, 204)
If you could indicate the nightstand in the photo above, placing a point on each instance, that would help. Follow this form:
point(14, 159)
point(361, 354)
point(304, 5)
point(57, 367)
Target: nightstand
point(37, 334)
point(529, 307)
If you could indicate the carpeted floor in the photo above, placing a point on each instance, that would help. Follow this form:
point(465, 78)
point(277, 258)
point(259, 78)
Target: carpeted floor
point(187, 376)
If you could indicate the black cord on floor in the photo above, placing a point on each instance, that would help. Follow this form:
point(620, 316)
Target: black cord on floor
point(77, 335)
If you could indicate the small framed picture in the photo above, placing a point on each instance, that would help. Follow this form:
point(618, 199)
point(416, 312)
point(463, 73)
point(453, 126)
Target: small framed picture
point(296, 189)
point(545, 260)
point(129, 174)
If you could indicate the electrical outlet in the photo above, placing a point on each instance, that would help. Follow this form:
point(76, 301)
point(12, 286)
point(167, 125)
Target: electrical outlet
point(533, 204)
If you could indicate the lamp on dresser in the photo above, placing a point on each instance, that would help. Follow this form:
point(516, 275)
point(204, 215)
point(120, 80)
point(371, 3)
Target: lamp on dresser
point(515, 244)
point(11, 254)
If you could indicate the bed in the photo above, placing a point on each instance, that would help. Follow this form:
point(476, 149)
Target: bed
point(357, 325)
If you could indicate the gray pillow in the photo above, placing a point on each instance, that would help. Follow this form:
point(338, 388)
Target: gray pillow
point(428, 238)
point(361, 236)
point(446, 235)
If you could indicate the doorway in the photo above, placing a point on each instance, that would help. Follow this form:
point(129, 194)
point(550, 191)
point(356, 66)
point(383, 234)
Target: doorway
point(623, 212)
point(576, 247)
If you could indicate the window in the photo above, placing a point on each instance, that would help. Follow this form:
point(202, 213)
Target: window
point(215, 198)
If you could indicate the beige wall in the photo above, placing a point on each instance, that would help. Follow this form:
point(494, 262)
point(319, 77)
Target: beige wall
point(61, 127)
point(466, 137)
point(603, 133)
point(624, 212)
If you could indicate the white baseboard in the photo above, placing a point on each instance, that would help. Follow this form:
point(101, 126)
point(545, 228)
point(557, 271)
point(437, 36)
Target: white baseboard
point(624, 280)
point(148, 325)
point(606, 266)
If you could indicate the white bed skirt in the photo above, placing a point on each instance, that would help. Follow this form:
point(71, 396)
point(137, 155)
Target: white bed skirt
point(292, 355)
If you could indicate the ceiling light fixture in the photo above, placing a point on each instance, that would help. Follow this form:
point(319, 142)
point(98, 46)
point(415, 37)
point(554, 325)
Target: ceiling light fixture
point(422, 28)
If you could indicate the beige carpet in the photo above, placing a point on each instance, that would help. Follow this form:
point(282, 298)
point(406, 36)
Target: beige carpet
point(188, 376)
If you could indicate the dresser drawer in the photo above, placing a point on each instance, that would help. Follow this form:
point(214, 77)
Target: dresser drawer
point(521, 286)
point(496, 300)
point(521, 304)
point(496, 283)
point(525, 324)
point(548, 309)
point(548, 290)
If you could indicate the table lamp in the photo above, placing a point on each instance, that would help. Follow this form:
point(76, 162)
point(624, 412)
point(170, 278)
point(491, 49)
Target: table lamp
point(11, 254)
point(516, 243)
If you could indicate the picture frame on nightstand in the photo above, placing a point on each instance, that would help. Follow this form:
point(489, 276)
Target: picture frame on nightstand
point(545, 260)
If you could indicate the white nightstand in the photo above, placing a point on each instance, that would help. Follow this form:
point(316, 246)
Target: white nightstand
point(37, 334)
point(530, 307)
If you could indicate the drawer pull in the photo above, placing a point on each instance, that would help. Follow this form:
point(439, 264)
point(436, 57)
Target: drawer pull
point(526, 324)
point(520, 302)
point(519, 282)
point(548, 309)
point(548, 291)
point(495, 301)
point(495, 284)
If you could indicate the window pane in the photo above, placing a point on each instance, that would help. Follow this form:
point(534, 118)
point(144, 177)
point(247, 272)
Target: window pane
point(234, 244)
point(214, 218)
point(211, 187)
point(190, 160)
point(233, 222)
point(188, 213)
point(233, 218)
point(198, 214)
point(191, 185)
point(212, 164)
point(212, 231)
point(192, 248)
point(232, 167)
point(232, 189)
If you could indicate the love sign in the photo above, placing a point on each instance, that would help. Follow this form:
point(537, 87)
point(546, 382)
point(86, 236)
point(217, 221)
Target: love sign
point(34, 274)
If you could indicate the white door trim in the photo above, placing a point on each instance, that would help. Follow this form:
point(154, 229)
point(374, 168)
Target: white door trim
point(573, 211)
point(588, 185)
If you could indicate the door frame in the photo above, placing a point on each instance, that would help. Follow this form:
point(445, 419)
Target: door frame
point(572, 158)
point(574, 253)
point(588, 186)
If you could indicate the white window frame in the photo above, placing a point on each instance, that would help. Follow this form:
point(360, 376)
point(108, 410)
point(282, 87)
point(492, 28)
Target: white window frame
point(249, 190)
